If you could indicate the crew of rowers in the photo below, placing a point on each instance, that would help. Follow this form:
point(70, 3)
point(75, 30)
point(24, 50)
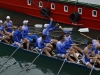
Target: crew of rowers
point(65, 47)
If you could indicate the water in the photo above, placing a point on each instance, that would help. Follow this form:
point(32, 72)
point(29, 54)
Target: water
point(13, 67)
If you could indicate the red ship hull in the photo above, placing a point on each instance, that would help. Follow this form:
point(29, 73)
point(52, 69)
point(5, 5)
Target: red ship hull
point(86, 19)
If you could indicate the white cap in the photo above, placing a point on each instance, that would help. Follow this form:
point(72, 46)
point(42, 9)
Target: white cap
point(25, 21)
point(1, 21)
point(46, 25)
point(8, 17)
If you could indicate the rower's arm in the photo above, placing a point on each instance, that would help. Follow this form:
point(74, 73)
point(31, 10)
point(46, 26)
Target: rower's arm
point(22, 36)
point(67, 45)
point(24, 33)
point(39, 44)
point(15, 37)
point(59, 49)
point(52, 29)
point(50, 24)
point(87, 55)
point(71, 41)
point(1, 33)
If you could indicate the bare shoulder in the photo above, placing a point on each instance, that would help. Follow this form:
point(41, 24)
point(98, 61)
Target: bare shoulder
point(5, 22)
point(10, 21)
point(85, 50)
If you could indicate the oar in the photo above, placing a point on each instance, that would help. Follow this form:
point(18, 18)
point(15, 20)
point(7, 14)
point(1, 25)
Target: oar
point(30, 64)
point(62, 66)
point(10, 57)
point(83, 30)
point(86, 36)
point(92, 67)
point(80, 30)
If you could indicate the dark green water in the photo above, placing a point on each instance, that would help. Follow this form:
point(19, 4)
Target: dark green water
point(13, 67)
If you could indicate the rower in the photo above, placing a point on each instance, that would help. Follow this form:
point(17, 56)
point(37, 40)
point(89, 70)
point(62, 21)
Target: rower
point(19, 39)
point(46, 30)
point(87, 59)
point(63, 51)
point(26, 33)
point(3, 37)
point(8, 24)
point(96, 46)
point(41, 45)
point(70, 42)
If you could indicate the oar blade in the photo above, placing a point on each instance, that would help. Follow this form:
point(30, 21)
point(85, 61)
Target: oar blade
point(38, 25)
point(83, 30)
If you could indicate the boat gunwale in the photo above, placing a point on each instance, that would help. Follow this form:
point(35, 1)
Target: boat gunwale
point(54, 58)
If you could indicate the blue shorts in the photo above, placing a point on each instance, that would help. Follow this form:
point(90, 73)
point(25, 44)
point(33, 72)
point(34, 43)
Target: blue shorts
point(86, 60)
point(14, 45)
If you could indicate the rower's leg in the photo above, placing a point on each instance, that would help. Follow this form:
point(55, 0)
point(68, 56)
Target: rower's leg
point(46, 50)
point(98, 61)
point(98, 56)
point(4, 39)
point(72, 52)
point(89, 65)
point(49, 45)
point(69, 58)
point(53, 41)
point(77, 48)
point(27, 43)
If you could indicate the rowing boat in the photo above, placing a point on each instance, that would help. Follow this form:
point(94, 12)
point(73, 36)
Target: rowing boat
point(52, 63)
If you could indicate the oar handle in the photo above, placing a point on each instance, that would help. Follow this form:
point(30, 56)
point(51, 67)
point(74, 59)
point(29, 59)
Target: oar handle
point(86, 36)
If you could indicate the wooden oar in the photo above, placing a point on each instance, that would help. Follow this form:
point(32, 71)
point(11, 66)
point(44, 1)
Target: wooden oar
point(92, 67)
point(10, 57)
point(62, 65)
point(80, 30)
point(30, 64)
point(86, 36)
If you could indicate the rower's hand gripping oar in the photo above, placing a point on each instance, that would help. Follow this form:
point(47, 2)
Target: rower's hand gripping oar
point(30, 64)
point(62, 65)
point(10, 56)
